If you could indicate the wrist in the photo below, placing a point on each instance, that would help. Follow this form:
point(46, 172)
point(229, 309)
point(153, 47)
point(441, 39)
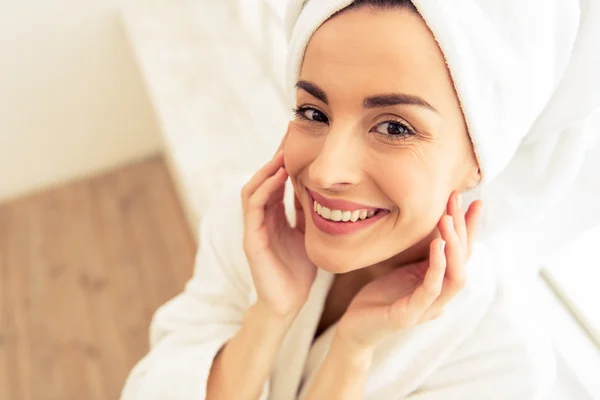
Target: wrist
point(343, 373)
point(350, 353)
point(270, 319)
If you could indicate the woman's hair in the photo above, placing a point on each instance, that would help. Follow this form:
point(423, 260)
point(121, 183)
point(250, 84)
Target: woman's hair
point(383, 4)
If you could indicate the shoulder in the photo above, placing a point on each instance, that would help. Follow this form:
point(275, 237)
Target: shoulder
point(224, 212)
point(508, 351)
point(220, 238)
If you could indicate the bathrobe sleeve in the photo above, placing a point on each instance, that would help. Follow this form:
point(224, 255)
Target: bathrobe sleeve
point(188, 331)
point(505, 358)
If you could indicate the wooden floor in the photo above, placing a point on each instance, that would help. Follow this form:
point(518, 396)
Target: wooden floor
point(82, 269)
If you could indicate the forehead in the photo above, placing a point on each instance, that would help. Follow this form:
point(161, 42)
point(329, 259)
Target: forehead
point(364, 52)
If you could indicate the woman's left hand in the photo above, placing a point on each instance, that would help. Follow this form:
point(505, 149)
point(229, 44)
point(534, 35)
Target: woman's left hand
point(417, 292)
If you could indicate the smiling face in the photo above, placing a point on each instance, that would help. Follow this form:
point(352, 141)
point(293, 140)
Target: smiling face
point(378, 128)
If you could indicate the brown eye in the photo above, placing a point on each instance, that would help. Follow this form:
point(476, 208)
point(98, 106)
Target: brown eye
point(393, 128)
point(311, 114)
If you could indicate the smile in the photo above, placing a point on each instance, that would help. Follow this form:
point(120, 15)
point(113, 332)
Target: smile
point(341, 217)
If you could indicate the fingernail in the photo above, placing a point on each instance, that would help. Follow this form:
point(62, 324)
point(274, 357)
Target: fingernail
point(460, 201)
point(451, 221)
point(443, 245)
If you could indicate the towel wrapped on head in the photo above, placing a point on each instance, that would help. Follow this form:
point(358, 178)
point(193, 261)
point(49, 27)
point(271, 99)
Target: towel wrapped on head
point(526, 75)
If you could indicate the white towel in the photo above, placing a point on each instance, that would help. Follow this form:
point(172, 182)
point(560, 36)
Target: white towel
point(526, 74)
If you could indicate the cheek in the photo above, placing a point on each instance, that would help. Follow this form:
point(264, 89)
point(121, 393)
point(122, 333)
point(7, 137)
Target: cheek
point(402, 176)
point(298, 151)
point(418, 188)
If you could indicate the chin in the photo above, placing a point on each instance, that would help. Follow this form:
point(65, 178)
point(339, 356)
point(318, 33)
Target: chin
point(336, 260)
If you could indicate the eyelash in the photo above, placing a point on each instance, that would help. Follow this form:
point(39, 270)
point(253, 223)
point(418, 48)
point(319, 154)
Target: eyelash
point(299, 113)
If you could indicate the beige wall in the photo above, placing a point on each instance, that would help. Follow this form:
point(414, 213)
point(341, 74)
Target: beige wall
point(71, 99)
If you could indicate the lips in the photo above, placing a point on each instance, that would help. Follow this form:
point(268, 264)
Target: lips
point(339, 227)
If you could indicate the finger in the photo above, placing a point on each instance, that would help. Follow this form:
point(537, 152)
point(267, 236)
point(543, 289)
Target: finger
point(431, 315)
point(260, 176)
point(453, 251)
point(472, 220)
point(458, 217)
point(429, 290)
point(258, 202)
point(455, 276)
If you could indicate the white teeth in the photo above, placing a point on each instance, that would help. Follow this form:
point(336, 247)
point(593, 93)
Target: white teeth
point(339, 215)
point(336, 215)
point(346, 215)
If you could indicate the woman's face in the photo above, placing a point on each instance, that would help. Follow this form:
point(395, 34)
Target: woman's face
point(379, 128)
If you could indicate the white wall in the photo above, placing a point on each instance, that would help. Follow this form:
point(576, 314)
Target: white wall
point(212, 75)
point(71, 99)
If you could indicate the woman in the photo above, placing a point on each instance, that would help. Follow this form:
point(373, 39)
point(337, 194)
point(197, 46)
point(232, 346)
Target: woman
point(375, 290)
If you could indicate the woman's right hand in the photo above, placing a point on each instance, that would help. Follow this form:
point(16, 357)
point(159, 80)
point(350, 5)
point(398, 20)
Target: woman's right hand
point(281, 270)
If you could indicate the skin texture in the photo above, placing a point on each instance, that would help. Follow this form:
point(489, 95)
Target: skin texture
point(354, 55)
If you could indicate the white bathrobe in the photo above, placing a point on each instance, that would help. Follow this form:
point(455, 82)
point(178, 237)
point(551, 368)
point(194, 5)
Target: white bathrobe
point(476, 350)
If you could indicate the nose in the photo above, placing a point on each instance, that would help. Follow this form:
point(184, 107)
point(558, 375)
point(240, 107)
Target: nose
point(337, 165)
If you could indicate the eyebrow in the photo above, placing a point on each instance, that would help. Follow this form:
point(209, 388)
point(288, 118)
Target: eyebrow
point(388, 100)
point(378, 101)
point(313, 90)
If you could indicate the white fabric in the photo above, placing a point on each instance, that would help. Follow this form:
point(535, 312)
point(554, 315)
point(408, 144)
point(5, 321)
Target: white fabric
point(474, 350)
point(526, 74)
